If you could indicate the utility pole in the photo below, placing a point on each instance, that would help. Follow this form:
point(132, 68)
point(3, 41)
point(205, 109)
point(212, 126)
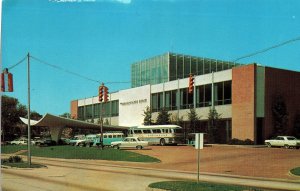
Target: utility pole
point(28, 112)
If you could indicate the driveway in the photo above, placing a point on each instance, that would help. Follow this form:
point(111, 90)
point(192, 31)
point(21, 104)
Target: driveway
point(233, 160)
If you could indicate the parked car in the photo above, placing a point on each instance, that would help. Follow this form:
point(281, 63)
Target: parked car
point(284, 141)
point(129, 142)
point(76, 140)
point(45, 142)
point(19, 141)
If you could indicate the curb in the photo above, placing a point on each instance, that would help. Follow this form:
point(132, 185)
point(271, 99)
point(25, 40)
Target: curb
point(12, 167)
point(293, 175)
point(155, 189)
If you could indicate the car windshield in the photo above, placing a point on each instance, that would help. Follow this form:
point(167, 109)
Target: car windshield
point(138, 139)
point(291, 138)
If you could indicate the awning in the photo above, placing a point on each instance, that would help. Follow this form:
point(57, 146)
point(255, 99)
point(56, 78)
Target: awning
point(50, 120)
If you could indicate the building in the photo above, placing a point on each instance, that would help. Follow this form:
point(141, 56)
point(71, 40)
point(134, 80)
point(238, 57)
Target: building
point(243, 95)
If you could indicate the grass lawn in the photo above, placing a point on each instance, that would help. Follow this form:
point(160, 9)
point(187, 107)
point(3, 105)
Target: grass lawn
point(8, 149)
point(193, 186)
point(296, 171)
point(71, 152)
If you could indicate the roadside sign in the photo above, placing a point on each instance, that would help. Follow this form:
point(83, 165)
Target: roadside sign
point(199, 140)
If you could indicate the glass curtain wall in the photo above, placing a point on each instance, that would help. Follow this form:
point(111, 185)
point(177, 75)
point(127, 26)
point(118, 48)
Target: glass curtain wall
point(150, 71)
point(182, 65)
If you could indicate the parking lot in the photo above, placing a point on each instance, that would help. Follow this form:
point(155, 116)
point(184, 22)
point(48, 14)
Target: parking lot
point(233, 160)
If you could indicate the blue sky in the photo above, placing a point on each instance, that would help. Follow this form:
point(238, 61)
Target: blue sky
point(101, 38)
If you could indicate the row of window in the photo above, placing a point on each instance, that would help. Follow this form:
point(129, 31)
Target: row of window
point(108, 109)
point(147, 131)
point(172, 100)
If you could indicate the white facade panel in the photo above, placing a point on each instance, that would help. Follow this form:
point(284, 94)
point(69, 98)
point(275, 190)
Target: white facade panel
point(132, 103)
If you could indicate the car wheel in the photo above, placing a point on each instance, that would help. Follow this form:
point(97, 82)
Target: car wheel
point(116, 147)
point(286, 146)
point(269, 145)
point(162, 142)
point(139, 147)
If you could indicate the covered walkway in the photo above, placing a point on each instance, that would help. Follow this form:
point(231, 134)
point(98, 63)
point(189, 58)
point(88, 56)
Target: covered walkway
point(56, 125)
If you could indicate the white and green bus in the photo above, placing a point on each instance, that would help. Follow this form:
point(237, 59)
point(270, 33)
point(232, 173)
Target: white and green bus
point(158, 134)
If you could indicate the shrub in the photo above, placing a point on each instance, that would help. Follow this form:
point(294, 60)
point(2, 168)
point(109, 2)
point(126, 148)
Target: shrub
point(241, 142)
point(15, 159)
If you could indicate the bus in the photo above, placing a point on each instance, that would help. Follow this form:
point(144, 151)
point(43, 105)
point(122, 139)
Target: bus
point(158, 134)
point(108, 137)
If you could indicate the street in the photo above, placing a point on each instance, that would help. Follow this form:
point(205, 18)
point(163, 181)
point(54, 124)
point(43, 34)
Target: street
point(95, 175)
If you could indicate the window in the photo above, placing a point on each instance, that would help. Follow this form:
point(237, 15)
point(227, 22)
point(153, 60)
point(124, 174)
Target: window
point(187, 66)
point(227, 92)
point(156, 101)
point(186, 99)
point(200, 96)
point(138, 131)
point(170, 100)
point(156, 131)
point(146, 131)
point(207, 95)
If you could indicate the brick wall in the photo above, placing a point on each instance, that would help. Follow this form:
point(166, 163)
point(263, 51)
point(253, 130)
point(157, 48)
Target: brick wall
point(74, 109)
point(287, 84)
point(243, 102)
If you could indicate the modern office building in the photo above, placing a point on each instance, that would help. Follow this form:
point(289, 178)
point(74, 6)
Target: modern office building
point(243, 95)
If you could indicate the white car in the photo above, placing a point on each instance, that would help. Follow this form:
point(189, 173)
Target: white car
point(284, 141)
point(20, 141)
point(129, 142)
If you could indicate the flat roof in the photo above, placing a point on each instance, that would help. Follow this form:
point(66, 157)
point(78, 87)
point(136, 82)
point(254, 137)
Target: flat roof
point(50, 120)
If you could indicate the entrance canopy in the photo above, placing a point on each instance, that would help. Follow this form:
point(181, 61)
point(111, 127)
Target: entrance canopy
point(56, 125)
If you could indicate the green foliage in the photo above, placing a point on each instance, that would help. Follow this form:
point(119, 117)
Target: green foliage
point(193, 119)
point(296, 171)
point(241, 142)
point(65, 115)
point(177, 120)
point(213, 124)
point(194, 186)
point(11, 111)
point(12, 159)
point(147, 116)
point(163, 117)
point(280, 115)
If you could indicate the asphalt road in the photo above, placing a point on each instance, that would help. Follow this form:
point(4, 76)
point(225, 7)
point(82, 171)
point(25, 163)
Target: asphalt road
point(96, 175)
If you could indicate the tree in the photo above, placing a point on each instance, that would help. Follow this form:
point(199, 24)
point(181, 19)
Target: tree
point(65, 115)
point(213, 124)
point(11, 110)
point(280, 115)
point(35, 115)
point(163, 117)
point(147, 116)
point(193, 119)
